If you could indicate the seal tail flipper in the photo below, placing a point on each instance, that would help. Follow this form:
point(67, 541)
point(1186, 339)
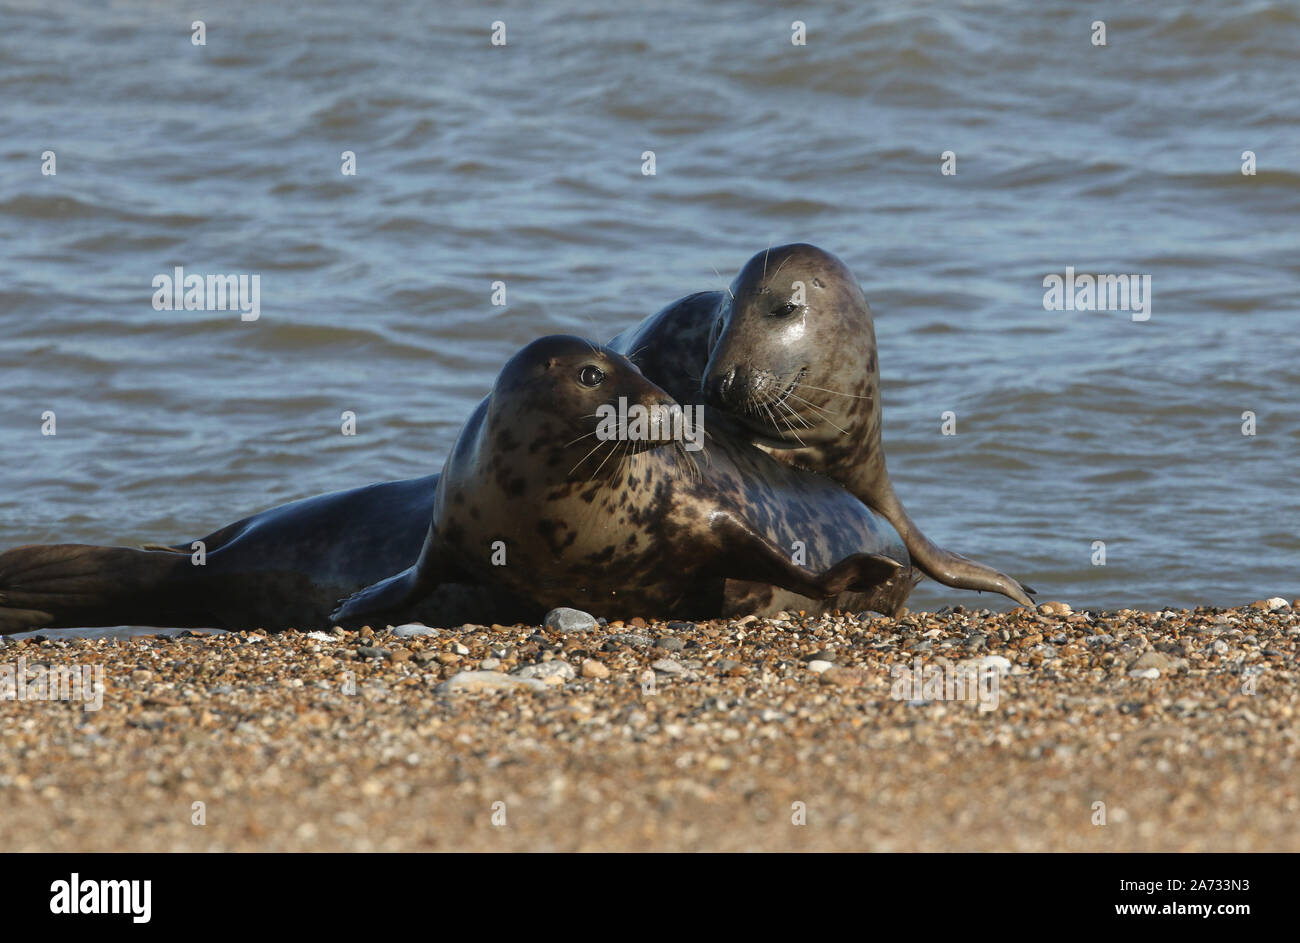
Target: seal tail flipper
point(76, 585)
point(951, 569)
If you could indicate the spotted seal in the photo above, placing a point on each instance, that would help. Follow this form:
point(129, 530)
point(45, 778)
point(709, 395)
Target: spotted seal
point(789, 351)
point(537, 498)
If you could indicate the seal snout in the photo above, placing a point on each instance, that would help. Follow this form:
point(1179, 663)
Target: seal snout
point(746, 390)
point(720, 389)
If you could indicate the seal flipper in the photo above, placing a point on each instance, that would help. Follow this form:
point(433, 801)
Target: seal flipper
point(749, 555)
point(435, 566)
point(944, 566)
point(388, 595)
point(74, 585)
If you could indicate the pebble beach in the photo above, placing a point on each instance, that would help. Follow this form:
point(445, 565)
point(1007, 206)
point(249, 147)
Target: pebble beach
point(1078, 731)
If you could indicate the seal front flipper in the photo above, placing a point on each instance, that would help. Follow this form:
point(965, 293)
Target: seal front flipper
point(388, 595)
point(396, 593)
point(747, 554)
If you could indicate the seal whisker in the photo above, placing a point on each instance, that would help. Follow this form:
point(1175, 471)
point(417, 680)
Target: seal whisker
point(790, 426)
point(725, 286)
point(614, 449)
point(585, 457)
point(580, 438)
point(835, 392)
point(823, 412)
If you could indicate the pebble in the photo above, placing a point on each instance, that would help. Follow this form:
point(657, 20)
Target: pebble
point(1271, 604)
point(470, 681)
point(1157, 660)
point(668, 666)
point(1144, 673)
point(843, 677)
point(367, 651)
point(594, 669)
point(413, 630)
point(631, 638)
point(1055, 609)
point(669, 644)
point(818, 665)
point(566, 621)
point(554, 672)
point(999, 663)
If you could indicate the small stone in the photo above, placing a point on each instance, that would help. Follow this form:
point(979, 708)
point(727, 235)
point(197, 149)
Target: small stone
point(142, 676)
point(1144, 673)
point(367, 651)
point(490, 664)
point(843, 677)
point(554, 672)
point(447, 658)
point(413, 630)
point(998, 663)
point(399, 655)
point(565, 621)
point(1220, 647)
point(631, 639)
point(1055, 609)
point(669, 644)
point(471, 681)
point(818, 665)
point(1271, 604)
point(1158, 660)
point(325, 662)
point(594, 669)
point(668, 666)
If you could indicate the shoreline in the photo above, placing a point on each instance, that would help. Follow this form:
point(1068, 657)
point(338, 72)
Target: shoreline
point(829, 733)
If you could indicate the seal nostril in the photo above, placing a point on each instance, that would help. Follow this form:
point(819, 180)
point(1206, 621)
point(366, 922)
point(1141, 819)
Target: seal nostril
point(718, 386)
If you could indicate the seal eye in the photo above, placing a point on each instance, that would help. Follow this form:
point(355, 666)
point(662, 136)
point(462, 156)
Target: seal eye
point(591, 376)
point(785, 310)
